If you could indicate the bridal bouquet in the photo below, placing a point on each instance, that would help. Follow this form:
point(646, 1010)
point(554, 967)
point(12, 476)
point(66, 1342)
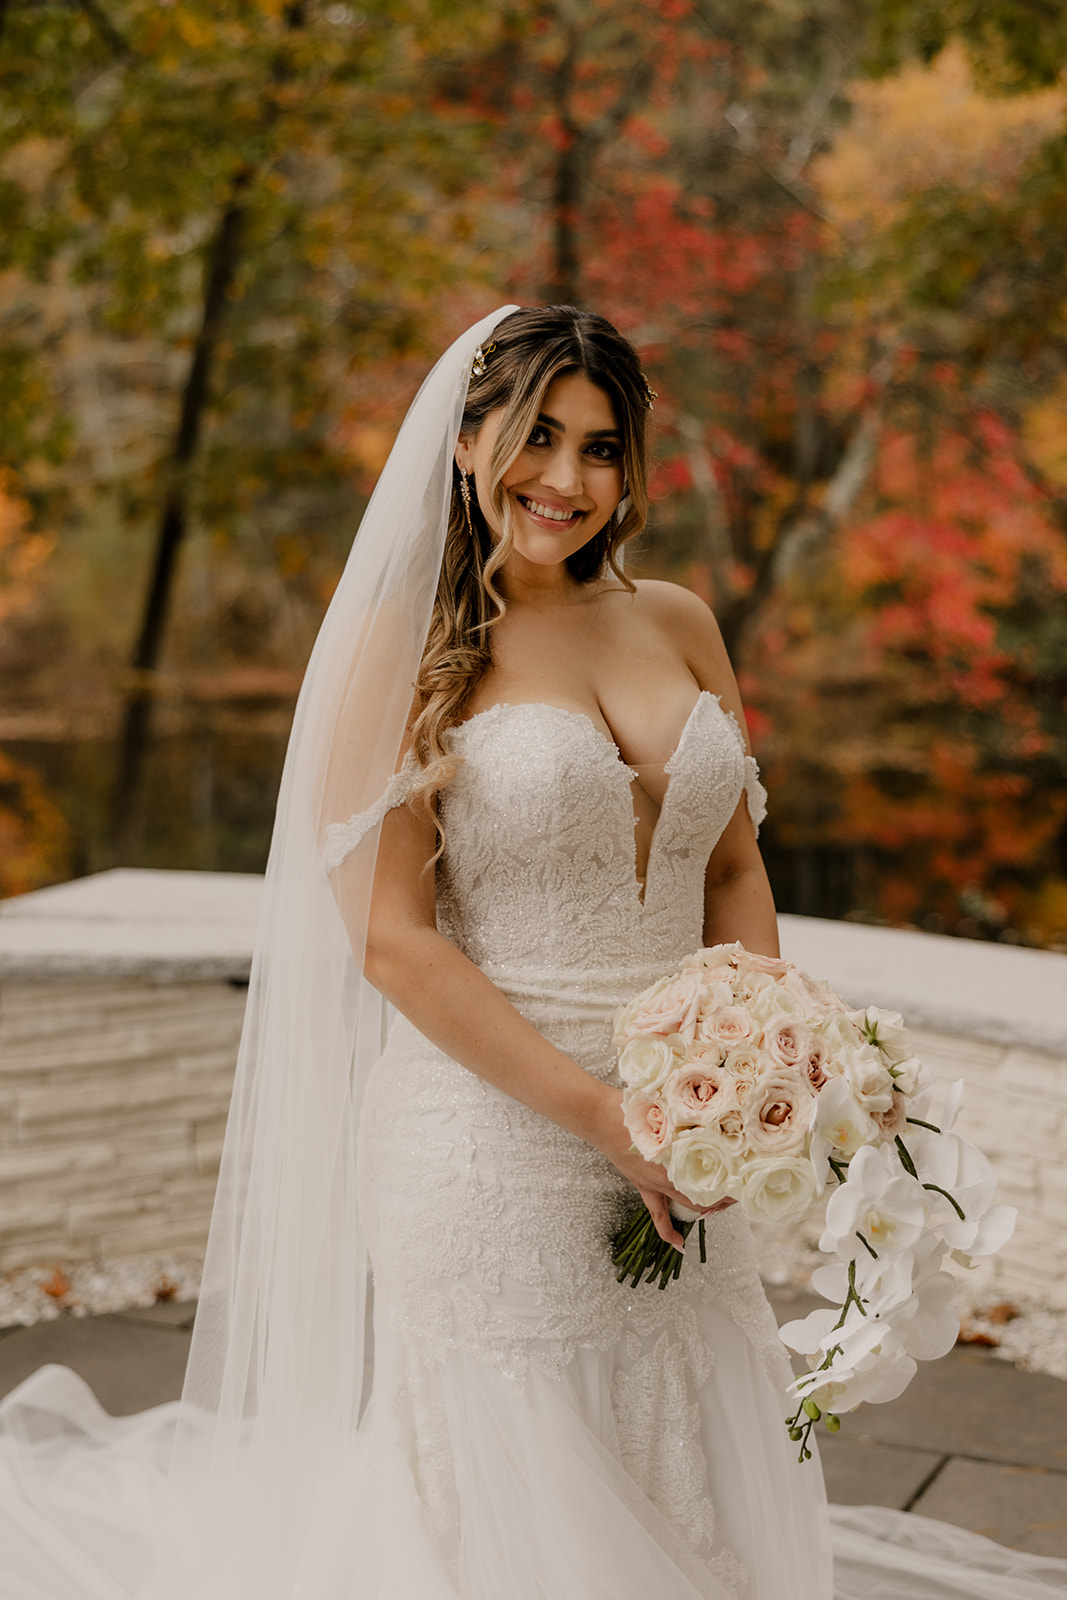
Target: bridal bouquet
point(750, 1081)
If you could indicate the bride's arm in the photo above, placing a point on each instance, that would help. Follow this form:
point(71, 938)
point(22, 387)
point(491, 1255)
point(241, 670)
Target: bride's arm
point(737, 897)
point(454, 1004)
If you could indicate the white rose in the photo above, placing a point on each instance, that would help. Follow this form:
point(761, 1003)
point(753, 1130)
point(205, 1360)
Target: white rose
point(907, 1075)
point(715, 995)
point(772, 1189)
point(776, 1002)
point(884, 1028)
point(697, 1165)
point(869, 1078)
point(645, 1063)
point(839, 1032)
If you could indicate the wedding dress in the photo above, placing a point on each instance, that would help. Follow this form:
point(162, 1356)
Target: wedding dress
point(535, 1431)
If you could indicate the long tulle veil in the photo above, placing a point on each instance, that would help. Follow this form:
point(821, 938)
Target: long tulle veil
point(276, 1372)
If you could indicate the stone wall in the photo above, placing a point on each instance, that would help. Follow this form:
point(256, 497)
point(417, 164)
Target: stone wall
point(1015, 1110)
point(113, 1098)
point(121, 999)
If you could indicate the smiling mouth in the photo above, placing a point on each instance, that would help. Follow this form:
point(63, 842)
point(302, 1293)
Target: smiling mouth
point(537, 508)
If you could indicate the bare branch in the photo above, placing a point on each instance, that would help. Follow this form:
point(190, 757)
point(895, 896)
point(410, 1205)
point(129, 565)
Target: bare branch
point(107, 30)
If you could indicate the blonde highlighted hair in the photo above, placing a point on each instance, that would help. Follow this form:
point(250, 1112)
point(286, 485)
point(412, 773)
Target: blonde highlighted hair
point(532, 348)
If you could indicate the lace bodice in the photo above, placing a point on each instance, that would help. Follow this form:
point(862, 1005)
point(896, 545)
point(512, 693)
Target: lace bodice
point(537, 881)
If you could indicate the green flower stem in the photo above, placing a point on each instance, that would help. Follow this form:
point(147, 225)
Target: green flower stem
point(639, 1254)
point(905, 1157)
point(957, 1208)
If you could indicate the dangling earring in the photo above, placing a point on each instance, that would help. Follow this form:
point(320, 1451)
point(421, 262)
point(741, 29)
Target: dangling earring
point(465, 491)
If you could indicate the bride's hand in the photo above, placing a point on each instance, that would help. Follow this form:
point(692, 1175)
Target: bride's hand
point(648, 1177)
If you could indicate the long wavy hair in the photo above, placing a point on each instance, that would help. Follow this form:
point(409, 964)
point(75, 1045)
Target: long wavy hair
point(532, 348)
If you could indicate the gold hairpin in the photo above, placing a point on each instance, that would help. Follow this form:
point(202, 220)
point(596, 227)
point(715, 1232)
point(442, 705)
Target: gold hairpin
point(480, 355)
point(650, 393)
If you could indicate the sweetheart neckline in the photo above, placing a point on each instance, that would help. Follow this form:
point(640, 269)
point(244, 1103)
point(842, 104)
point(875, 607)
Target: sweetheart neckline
point(640, 883)
point(584, 717)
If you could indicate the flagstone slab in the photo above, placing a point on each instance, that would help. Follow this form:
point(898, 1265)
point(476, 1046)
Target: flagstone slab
point(1021, 1506)
point(861, 1472)
point(971, 1404)
point(128, 1365)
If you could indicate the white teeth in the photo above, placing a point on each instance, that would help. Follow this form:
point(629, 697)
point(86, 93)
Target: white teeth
point(548, 511)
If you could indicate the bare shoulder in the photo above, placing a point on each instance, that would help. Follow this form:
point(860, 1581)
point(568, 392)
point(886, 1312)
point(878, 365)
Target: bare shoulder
point(689, 626)
point(690, 623)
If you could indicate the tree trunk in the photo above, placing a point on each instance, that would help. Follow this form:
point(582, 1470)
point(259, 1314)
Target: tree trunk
point(563, 287)
point(219, 275)
point(220, 271)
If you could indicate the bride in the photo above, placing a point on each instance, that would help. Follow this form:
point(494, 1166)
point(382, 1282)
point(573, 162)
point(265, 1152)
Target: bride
point(518, 789)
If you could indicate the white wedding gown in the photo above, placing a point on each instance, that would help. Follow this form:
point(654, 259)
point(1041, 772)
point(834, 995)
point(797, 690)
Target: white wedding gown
point(535, 1430)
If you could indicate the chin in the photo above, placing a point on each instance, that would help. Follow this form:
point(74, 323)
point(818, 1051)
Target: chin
point(550, 552)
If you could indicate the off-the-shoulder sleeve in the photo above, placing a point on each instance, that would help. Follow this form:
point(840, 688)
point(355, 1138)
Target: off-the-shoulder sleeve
point(755, 793)
point(343, 837)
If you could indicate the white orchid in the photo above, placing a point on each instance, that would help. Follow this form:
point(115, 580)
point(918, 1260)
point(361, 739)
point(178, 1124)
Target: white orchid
point(882, 1375)
point(880, 1202)
point(841, 1127)
point(964, 1182)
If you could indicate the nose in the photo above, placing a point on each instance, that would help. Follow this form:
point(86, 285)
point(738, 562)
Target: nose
point(563, 471)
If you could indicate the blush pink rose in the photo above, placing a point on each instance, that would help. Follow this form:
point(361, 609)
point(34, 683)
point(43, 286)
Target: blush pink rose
point(745, 1064)
point(749, 961)
point(890, 1123)
point(728, 1026)
point(649, 1123)
point(715, 958)
point(726, 1127)
point(695, 1090)
point(818, 999)
point(786, 1040)
point(778, 1114)
point(673, 1008)
point(814, 1064)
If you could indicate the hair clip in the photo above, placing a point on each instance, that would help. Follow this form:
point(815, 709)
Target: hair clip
point(650, 393)
point(480, 355)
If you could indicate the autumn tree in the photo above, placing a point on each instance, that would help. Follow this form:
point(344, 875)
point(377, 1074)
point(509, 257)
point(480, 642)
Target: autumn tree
point(659, 155)
point(259, 194)
point(914, 685)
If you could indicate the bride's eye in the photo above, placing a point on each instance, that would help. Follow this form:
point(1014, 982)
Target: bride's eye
point(538, 438)
point(605, 450)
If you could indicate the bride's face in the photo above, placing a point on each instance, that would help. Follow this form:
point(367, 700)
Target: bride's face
point(565, 483)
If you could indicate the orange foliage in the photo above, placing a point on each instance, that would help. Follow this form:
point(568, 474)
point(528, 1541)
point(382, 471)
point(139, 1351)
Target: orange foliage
point(34, 835)
point(22, 552)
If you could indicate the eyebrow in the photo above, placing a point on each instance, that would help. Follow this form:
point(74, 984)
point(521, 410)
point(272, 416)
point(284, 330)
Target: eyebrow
point(594, 433)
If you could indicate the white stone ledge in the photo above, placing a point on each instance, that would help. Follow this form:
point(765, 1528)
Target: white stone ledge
point(995, 992)
point(167, 926)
